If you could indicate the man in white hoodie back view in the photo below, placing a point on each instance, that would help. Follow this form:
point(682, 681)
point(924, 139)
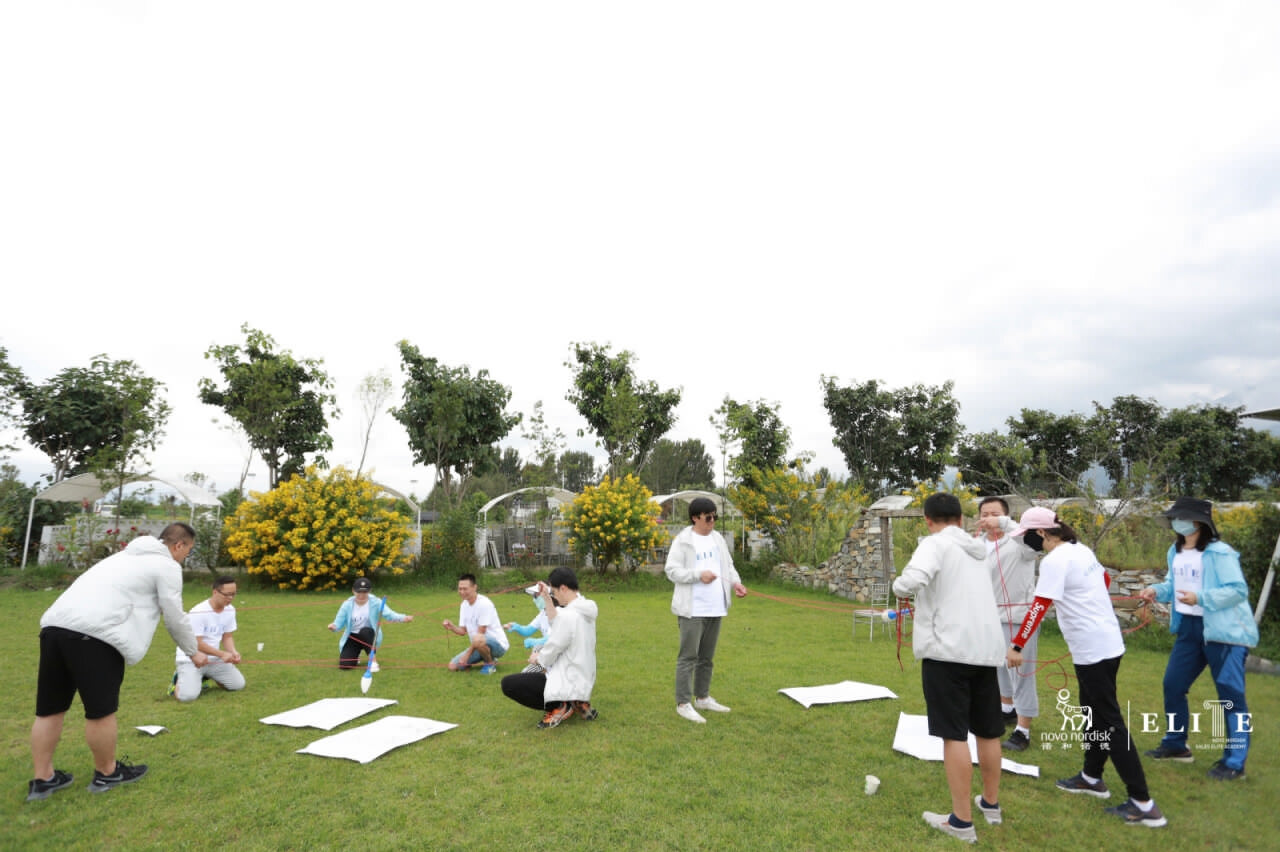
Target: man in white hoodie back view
point(956, 635)
point(102, 622)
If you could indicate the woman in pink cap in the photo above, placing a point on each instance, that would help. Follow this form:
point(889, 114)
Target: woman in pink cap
point(1072, 580)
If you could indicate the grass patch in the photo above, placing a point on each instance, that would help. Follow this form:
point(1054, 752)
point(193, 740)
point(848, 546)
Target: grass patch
point(770, 775)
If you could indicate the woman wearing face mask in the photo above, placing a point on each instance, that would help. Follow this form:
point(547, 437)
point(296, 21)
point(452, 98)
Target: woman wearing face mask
point(1214, 628)
point(1072, 580)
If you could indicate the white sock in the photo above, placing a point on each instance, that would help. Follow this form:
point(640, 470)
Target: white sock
point(1026, 732)
point(1006, 708)
point(1145, 808)
point(1090, 780)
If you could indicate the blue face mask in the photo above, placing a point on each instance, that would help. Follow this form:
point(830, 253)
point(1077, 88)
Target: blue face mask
point(540, 603)
point(1183, 528)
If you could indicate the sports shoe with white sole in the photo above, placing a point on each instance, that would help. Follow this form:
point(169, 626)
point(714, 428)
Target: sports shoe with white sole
point(1134, 815)
point(942, 822)
point(709, 703)
point(993, 815)
point(123, 774)
point(687, 712)
point(1077, 784)
point(43, 788)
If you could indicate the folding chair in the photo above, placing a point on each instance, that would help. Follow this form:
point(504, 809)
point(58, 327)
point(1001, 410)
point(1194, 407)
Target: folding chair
point(878, 602)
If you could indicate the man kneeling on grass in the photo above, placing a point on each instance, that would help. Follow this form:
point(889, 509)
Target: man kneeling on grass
point(567, 658)
point(958, 640)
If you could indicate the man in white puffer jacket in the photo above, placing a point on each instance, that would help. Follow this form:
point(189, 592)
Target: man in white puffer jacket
point(103, 621)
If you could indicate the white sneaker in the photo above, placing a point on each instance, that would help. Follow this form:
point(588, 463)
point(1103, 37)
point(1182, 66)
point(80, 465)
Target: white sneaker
point(687, 711)
point(711, 704)
point(942, 822)
point(374, 667)
point(993, 815)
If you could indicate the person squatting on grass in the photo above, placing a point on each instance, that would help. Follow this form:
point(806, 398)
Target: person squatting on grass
point(701, 567)
point(103, 621)
point(1072, 580)
point(1214, 627)
point(567, 657)
point(478, 620)
point(213, 620)
point(1012, 566)
point(360, 620)
point(957, 638)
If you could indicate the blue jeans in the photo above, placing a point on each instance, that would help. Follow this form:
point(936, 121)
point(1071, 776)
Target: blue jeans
point(1226, 663)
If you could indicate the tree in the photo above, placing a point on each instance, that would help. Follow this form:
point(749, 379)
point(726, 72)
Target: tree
point(614, 522)
point(511, 468)
point(1060, 448)
point(1212, 456)
point(318, 532)
point(12, 380)
point(678, 466)
point(891, 439)
point(453, 419)
point(1125, 434)
point(547, 442)
point(575, 470)
point(628, 416)
point(282, 403)
point(103, 418)
point(994, 463)
point(372, 394)
point(758, 431)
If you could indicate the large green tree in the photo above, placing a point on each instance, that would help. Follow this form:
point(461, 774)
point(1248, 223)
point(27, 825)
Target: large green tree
point(678, 466)
point(102, 418)
point(628, 416)
point(453, 418)
point(575, 470)
point(1059, 445)
point(283, 403)
point(1212, 456)
point(759, 434)
point(11, 381)
point(994, 463)
point(892, 438)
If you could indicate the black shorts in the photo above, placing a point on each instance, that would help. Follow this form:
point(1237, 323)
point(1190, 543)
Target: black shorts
point(71, 662)
point(961, 698)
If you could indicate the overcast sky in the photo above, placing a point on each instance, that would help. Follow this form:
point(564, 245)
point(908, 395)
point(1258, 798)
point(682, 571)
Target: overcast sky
point(1046, 204)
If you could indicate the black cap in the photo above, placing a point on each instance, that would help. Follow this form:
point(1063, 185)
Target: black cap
point(1191, 509)
point(363, 584)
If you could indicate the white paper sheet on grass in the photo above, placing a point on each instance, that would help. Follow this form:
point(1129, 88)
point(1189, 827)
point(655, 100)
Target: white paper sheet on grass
point(375, 739)
point(837, 693)
point(913, 738)
point(327, 713)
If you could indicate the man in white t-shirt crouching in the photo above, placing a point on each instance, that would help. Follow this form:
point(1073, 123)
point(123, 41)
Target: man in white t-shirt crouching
point(214, 623)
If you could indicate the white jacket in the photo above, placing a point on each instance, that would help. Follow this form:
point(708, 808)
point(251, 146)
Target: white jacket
point(120, 600)
point(569, 654)
point(682, 569)
point(955, 610)
point(1012, 566)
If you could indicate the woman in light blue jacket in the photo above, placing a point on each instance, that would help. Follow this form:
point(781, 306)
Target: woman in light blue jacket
point(360, 620)
point(1214, 627)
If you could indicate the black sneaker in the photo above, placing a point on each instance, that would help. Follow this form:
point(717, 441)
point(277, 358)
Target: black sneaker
point(1077, 784)
point(1177, 755)
point(1221, 772)
point(1010, 717)
point(1133, 815)
point(1017, 741)
point(43, 789)
point(124, 774)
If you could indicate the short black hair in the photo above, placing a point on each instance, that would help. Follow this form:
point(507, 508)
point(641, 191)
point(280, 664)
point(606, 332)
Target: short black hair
point(222, 581)
point(1003, 503)
point(701, 506)
point(469, 576)
point(943, 507)
point(178, 531)
point(562, 576)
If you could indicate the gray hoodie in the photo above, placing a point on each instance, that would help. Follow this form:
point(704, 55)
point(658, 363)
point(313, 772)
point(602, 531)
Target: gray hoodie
point(955, 609)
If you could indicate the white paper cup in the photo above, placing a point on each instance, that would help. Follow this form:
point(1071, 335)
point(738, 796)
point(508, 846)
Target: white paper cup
point(873, 784)
point(260, 646)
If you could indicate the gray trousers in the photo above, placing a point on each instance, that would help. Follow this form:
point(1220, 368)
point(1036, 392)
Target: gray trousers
point(1020, 683)
point(696, 660)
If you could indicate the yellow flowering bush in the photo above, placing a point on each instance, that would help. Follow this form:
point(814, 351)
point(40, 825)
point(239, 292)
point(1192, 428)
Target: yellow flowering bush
point(806, 524)
point(614, 520)
point(318, 532)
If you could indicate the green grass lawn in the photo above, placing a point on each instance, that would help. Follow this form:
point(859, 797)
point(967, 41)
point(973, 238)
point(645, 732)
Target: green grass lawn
point(769, 775)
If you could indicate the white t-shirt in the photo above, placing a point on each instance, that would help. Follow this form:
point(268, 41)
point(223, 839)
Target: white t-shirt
point(359, 617)
point(1188, 576)
point(482, 613)
point(1071, 577)
point(708, 598)
point(209, 625)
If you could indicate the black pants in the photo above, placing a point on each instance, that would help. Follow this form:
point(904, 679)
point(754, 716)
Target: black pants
point(361, 640)
point(526, 688)
point(1098, 691)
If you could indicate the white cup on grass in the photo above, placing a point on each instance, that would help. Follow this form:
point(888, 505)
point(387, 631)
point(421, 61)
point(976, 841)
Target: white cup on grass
point(873, 784)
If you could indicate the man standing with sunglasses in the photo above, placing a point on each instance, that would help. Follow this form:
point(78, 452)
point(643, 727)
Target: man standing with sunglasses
point(701, 567)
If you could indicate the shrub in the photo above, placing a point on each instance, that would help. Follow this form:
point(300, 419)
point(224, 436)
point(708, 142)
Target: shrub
point(614, 521)
point(1253, 531)
point(448, 546)
point(807, 525)
point(318, 532)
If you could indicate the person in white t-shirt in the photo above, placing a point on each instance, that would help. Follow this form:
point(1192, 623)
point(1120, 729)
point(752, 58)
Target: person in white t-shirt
point(701, 567)
point(1072, 580)
point(214, 622)
point(478, 620)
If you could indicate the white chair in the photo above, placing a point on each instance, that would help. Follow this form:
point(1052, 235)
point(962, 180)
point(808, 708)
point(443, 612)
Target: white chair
point(877, 603)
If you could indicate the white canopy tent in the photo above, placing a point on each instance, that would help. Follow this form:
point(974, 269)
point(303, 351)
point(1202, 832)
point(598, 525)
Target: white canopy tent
point(723, 505)
point(88, 487)
point(555, 497)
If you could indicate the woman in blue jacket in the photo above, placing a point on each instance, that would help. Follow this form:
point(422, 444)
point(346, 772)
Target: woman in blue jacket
point(360, 620)
point(1214, 626)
